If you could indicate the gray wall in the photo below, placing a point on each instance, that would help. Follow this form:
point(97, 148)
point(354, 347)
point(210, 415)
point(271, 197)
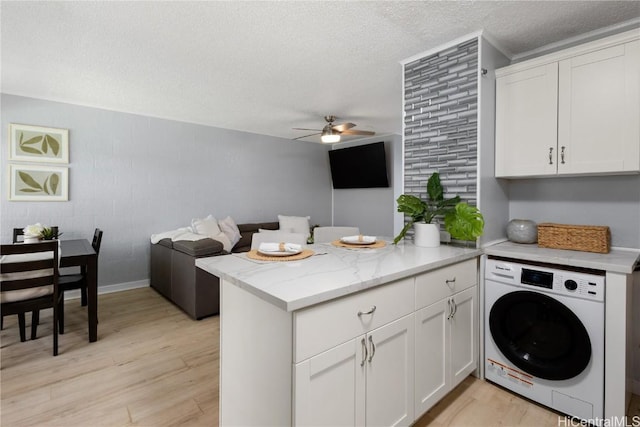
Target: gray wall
point(134, 176)
point(372, 209)
point(601, 200)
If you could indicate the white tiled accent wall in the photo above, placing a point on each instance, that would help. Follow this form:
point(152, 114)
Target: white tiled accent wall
point(441, 124)
point(441, 121)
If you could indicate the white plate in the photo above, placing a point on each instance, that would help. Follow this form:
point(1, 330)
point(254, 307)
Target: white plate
point(356, 242)
point(283, 253)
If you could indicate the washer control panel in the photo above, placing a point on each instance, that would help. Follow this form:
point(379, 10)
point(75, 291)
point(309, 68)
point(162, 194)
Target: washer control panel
point(556, 280)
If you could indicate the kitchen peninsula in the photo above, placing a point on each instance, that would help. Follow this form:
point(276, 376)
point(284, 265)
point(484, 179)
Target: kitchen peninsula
point(332, 339)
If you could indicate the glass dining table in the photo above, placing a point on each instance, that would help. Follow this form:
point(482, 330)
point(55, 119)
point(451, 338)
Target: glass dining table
point(79, 252)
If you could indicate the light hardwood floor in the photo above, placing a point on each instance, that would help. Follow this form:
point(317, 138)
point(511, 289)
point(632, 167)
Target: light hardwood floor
point(154, 366)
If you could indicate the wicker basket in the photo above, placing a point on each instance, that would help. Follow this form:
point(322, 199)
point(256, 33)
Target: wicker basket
point(589, 238)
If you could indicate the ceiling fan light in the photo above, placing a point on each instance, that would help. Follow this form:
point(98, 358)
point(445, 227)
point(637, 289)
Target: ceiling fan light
point(330, 138)
point(328, 135)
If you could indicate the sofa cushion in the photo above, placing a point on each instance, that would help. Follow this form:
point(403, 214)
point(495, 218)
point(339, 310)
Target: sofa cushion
point(199, 248)
point(166, 242)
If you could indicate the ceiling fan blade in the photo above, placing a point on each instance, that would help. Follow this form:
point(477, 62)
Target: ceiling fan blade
point(317, 130)
point(357, 132)
point(300, 137)
point(342, 127)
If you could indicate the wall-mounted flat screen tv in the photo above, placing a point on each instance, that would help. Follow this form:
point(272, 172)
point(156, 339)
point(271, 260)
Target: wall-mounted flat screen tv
point(363, 166)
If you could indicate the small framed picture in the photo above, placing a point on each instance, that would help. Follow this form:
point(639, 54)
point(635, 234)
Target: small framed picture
point(38, 183)
point(38, 144)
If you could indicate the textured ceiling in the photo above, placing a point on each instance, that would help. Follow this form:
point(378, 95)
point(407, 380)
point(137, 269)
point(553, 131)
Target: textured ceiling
point(261, 67)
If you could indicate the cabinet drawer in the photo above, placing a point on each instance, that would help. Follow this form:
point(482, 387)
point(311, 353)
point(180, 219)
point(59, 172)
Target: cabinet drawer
point(321, 327)
point(432, 286)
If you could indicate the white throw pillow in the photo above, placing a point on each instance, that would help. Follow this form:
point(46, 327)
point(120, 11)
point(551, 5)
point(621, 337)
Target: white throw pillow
point(207, 226)
point(226, 243)
point(298, 224)
point(229, 227)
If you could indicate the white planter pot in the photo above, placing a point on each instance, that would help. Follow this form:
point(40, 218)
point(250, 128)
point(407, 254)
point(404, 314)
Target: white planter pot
point(426, 235)
point(30, 239)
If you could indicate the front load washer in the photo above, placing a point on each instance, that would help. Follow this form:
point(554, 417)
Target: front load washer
point(544, 334)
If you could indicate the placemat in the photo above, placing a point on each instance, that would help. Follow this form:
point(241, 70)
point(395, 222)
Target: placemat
point(254, 254)
point(374, 245)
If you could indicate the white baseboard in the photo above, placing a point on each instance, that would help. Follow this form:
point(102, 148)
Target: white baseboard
point(108, 289)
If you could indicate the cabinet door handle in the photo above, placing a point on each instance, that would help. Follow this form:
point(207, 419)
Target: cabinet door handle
point(450, 281)
point(373, 348)
point(550, 155)
point(361, 313)
point(455, 308)
point(364, 352)
point(450, 309)
point(562, 155)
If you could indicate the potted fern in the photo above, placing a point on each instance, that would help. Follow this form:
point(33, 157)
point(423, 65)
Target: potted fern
point(462, 221)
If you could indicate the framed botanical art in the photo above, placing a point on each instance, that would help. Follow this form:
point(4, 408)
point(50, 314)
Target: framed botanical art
point(38, 144)
point(38, 183)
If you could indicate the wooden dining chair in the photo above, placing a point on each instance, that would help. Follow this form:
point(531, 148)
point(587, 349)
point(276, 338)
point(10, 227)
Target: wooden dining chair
point(29, 282)
point(18, 237)
point(70, 282)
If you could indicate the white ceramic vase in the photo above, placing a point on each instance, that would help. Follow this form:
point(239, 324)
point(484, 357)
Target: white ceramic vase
point(426, 235)
point(522, 231)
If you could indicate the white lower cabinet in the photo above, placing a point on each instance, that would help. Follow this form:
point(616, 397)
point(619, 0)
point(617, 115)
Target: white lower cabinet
point(446, 346)
point(390, 373)
point(464, 335)
point(384, 356)
point(432, 355)
point(366, 381)
point(329, 388)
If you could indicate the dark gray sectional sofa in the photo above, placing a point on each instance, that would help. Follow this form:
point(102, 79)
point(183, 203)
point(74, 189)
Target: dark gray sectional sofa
point(174, 275)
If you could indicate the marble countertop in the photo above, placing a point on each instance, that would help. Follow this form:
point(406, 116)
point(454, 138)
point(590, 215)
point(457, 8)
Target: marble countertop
point(331, 272)
point(617, 260)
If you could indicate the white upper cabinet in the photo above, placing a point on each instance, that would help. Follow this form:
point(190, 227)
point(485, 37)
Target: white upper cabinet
point(598, 106)
point(527, 122)
point(573, 112)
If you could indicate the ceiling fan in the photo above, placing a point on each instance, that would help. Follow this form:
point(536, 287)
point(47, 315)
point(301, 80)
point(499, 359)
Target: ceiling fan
point(331, 133)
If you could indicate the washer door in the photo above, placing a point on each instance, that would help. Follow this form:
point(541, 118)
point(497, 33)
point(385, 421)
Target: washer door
point(540, 335)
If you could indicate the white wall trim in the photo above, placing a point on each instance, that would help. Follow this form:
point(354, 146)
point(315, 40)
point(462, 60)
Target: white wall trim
point(109, 289)
point(579, 39)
